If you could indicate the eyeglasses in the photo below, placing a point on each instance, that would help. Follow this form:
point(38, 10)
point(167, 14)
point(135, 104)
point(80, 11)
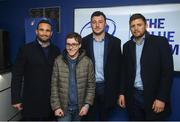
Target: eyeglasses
point(73, 45)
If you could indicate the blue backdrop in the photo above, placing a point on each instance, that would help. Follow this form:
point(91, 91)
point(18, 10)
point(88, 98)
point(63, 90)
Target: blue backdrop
point(13, 15)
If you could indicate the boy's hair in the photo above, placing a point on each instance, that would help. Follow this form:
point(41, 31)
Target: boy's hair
point(74, 35)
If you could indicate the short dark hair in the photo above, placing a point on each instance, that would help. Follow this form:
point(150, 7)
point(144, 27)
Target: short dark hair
point(74, 35)
point(98, 13)
point(137, 16)
point(44, 21)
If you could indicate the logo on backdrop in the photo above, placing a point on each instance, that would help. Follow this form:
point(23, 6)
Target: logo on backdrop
point(110, 28)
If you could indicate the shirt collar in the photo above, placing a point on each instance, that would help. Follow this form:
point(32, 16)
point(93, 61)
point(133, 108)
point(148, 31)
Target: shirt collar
point(43, 44)
point(103, 38)
point(98, 41)
point(141, 41)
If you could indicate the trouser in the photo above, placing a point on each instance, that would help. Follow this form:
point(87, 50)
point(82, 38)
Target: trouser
point(98, 110)
point(70, 115)
point(138, 109)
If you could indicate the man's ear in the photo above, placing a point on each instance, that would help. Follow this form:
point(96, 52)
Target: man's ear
point(36, 31)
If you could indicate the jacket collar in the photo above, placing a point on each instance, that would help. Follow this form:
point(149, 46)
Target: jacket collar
point(80, 56)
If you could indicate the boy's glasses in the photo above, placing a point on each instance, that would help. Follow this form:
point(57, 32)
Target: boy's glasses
point(73, 45)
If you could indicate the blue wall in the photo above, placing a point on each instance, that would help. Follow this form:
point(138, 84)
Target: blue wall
point(14, 12)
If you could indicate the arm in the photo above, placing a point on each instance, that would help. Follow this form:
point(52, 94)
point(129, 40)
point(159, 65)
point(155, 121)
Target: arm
point(90, 93)
point(55, 102)
point(164, 90)
point(166, 71)
point(121, 100)
point(17, 78)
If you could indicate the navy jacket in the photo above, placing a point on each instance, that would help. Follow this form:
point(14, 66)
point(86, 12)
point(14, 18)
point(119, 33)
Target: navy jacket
point(112, 65)
point(156, 73)
point(33, 70)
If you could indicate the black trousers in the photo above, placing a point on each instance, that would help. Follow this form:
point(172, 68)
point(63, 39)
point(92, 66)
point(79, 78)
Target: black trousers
point(98, 110)
point(138, 112)
point(138, 109)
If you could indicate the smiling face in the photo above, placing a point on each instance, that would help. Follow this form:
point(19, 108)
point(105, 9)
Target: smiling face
point(44, 32)
point(72, 47)
point(138, 28)
point(98, 24)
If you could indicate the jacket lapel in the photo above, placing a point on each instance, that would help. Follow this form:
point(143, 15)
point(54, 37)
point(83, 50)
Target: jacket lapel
point(43, 57)
point(133, 55)
point(145, 47)
point(91, 50)
point(107, 48)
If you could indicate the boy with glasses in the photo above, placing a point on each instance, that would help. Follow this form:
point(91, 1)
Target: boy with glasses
point(73, 82)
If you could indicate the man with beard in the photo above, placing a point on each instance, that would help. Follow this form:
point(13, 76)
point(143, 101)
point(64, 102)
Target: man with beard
point(148, 70)
point(31, 75)
point(105, 52)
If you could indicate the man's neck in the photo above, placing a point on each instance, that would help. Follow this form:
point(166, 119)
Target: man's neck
point(43, 44)
point(99, 37)
point(139, 40)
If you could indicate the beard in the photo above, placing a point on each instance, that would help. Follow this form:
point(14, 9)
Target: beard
point(98, 33)
point(138, 36)
point(42, 40)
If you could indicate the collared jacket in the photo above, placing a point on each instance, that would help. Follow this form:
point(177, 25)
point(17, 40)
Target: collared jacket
point(33, 70)
point(112, 66)
point(156, 73)
point(60, 81)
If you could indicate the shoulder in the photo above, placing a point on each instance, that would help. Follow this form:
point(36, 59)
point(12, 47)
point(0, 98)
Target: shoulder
point(88, 37)
point(28, 46)
point(84, 57)
point(158, 39)
point(59, 60)
point(127, 44)
point(111, 37)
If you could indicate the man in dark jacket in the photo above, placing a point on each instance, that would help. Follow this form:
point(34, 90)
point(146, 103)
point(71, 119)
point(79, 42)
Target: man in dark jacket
point(31, 75)
point(105, 52)
point(148, 69)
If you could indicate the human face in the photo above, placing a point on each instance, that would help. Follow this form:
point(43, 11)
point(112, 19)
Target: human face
point(44, 32)
point(98, 25)
point(72, 47)
point(138, 28)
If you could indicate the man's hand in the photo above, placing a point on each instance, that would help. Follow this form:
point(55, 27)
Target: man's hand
point(158, 106)
point(121, 101)
point(84, 110)
point(18, 106)
point(59, 112)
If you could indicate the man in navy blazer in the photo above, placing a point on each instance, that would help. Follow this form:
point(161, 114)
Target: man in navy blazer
point(147, 73)
point(31, 76)
point(105, 52)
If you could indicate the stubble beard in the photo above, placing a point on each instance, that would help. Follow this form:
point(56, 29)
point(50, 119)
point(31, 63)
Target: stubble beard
point(99, 33)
